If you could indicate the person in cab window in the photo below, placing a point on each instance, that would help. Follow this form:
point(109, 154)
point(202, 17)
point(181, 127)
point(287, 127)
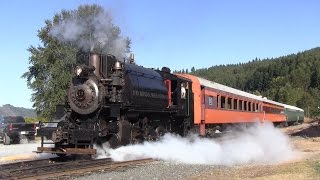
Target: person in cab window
point(183, 91)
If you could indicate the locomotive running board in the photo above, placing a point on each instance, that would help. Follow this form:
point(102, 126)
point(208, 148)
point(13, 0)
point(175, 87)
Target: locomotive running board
point(66, 150)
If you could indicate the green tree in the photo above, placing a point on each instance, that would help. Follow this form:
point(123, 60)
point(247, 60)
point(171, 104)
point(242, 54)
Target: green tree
point(315, 75)
point(65, 38)
point(31, 120)
point(307, 103)
point(192, 69)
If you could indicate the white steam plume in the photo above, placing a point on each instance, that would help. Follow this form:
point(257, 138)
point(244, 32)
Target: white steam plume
point(257, 144)
point(91, 33)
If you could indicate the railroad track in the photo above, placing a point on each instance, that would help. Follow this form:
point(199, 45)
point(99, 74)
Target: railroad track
point(45, 169)
point(22, 164)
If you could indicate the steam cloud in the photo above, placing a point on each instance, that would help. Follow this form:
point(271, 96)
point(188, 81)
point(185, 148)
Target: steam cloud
point(256, 144)
point(91, 33)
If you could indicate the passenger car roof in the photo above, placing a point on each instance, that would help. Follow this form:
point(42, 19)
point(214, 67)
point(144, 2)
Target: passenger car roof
point(215, 85)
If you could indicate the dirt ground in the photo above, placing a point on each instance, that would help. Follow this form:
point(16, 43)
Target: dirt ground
point(305, 138)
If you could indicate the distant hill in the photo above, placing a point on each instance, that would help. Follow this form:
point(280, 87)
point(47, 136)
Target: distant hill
point(9, 110)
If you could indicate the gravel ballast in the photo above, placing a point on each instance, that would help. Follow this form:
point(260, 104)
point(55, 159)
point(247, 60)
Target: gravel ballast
point(153, 170)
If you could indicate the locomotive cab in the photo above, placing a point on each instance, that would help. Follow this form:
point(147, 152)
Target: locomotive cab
point(179, 92)
point(180, 100)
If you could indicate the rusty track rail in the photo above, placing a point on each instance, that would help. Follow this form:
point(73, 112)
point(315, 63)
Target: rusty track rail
point(45, 170)
point(31, 163)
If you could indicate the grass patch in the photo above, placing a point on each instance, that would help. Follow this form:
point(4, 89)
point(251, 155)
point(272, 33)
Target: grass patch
point(317, 167)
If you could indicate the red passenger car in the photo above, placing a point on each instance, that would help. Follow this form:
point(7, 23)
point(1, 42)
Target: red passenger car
point(216, 104)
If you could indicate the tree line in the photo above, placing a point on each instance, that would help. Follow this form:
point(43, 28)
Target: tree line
point(293, 79)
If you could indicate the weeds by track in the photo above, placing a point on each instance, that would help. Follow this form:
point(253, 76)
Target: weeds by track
point(44, 169)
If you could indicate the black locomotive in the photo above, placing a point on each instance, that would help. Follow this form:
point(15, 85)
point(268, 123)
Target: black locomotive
point(120, 103)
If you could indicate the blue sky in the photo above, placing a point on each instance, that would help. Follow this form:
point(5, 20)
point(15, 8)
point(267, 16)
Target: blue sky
point(174, 33)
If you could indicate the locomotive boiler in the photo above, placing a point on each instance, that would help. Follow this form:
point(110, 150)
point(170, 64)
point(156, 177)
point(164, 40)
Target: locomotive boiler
point(119, 103)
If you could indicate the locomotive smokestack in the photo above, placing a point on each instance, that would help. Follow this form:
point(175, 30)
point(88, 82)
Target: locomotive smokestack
point(95, 60)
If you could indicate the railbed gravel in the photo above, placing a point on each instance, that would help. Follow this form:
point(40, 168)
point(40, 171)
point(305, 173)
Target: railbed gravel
point(154, 170)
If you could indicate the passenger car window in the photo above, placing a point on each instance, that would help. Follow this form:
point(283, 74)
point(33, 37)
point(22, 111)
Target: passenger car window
point(210, 100)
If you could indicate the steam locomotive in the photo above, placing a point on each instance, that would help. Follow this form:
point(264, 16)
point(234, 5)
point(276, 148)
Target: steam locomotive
point(122, 103)
point(119, 103)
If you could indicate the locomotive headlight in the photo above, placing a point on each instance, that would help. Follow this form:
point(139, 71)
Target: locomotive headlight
point(78, 70)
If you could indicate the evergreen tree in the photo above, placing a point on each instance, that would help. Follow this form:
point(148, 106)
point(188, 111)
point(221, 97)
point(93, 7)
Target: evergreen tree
point(192, 69)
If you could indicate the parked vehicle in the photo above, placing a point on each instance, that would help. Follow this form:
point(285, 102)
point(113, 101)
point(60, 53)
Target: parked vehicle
point(13, 128)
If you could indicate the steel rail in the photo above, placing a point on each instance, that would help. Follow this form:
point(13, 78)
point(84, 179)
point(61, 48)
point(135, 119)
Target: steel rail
point(62, 169)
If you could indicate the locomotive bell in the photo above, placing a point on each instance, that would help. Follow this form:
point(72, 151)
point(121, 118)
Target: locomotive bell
point(117, 66)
